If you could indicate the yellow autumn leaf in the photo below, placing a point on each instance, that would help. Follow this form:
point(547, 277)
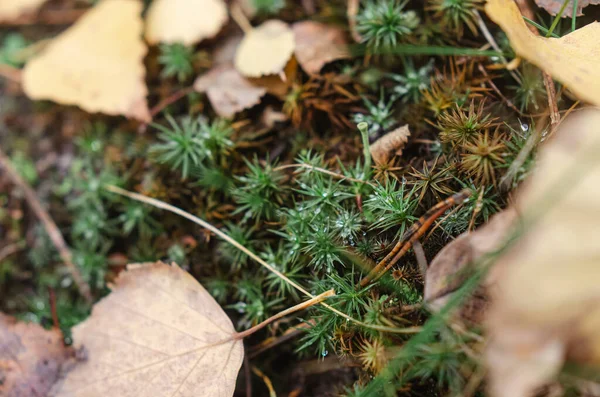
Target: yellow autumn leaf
point(572, 59)
point(265, 50)
point(97, 64)
point(184, 21)
point(546, 296)
point(12, 9)
point(159, 333)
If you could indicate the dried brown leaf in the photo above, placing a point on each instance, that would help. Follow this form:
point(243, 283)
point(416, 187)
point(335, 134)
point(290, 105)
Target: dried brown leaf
point(265, 50)
point(318, 44)
point(159, 333)
point(30, 358)
point(13, 9)
point(97, 64)
point(573, 59)
point(228, 91)
point(553, 6)
point(389, 145)
point(184, 21)
point(546, 301)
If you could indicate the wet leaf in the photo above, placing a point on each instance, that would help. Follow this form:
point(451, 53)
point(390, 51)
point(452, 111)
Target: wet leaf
point(30, 358)
point(265, 50)
point(184, 21)
point(546, 302)
point(390, 145)
point(318, 44)
point(95, 65)
point(228, 91)
point(13, 9)
point(159, 333)
point(553, 6)
point(573, 59)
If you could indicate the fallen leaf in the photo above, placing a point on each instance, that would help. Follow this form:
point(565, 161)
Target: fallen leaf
point(30, 358)
point(573, 59)
point(228, 91)
point(553, 6)
point(390, 145)
point(13, 9)
point(275, 84)
point(318, 44)
point(452, 266)
point(184, 21)
point(159, 333)
point(97, 64)
point(265, 50)
point(226, 49)
point(546, 301)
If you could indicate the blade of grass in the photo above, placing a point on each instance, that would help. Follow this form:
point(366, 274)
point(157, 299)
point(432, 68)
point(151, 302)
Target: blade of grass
point(574, 15)
point(408, 49)
point(540, 28)
point(557, 18)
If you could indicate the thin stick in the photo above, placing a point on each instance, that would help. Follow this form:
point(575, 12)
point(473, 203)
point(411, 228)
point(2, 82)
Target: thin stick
point(49, 225)
point(237, 14)
point(497, 91)
point(162, 205)
point(324, 171)
point(301, 306)
point(552, 106)
point(171, 99)
point(268, 343)
point(265, 379)
point(415, 232)
point(11, 249)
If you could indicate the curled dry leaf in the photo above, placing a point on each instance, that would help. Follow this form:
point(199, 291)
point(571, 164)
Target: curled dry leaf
point(265, 50)
point(184, 21)
point(228, 91)
point(553, 6)
point(318, 44)
point(30, 358)
point(389, 145)
point(453, 264)
point(95, 65)
point(573, 59)
point(546, 301)
point(13, 9)
point(159, 333)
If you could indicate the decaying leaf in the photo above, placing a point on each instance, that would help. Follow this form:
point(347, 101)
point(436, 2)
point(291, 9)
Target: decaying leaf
point(228, 91)
point(97, 64)
point(13, 9)
point(553, 6)
point(546, 301)
point(184, 21)
point(278, 84)
point(389, 145)
point(318, 44)
point(453, 264)
point(30, 358)
point(159, 333)
point(265, 50)
point(573, 59)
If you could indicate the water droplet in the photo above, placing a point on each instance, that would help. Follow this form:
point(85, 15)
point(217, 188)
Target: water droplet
point(325, 352)
point(524, 127)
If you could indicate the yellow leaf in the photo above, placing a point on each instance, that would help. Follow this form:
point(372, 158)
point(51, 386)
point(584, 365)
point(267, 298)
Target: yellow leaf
point(318, 44)
point(573, 59)
point(12, 9)
point(228, 91)
point(546, 301)
point(185, 21)
point(97, 64)
point(265, 49)
point(159, 333)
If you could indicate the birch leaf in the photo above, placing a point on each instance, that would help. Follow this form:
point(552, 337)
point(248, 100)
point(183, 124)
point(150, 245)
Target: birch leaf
point(390, 144)
point(546, 302)
point(30, 358)
point(184, 21)
point(159, 333)
point(13, 9)
point(572, 59)
point(318, 44)
point(97, 64)
point(265, 50)
point(228, 91)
